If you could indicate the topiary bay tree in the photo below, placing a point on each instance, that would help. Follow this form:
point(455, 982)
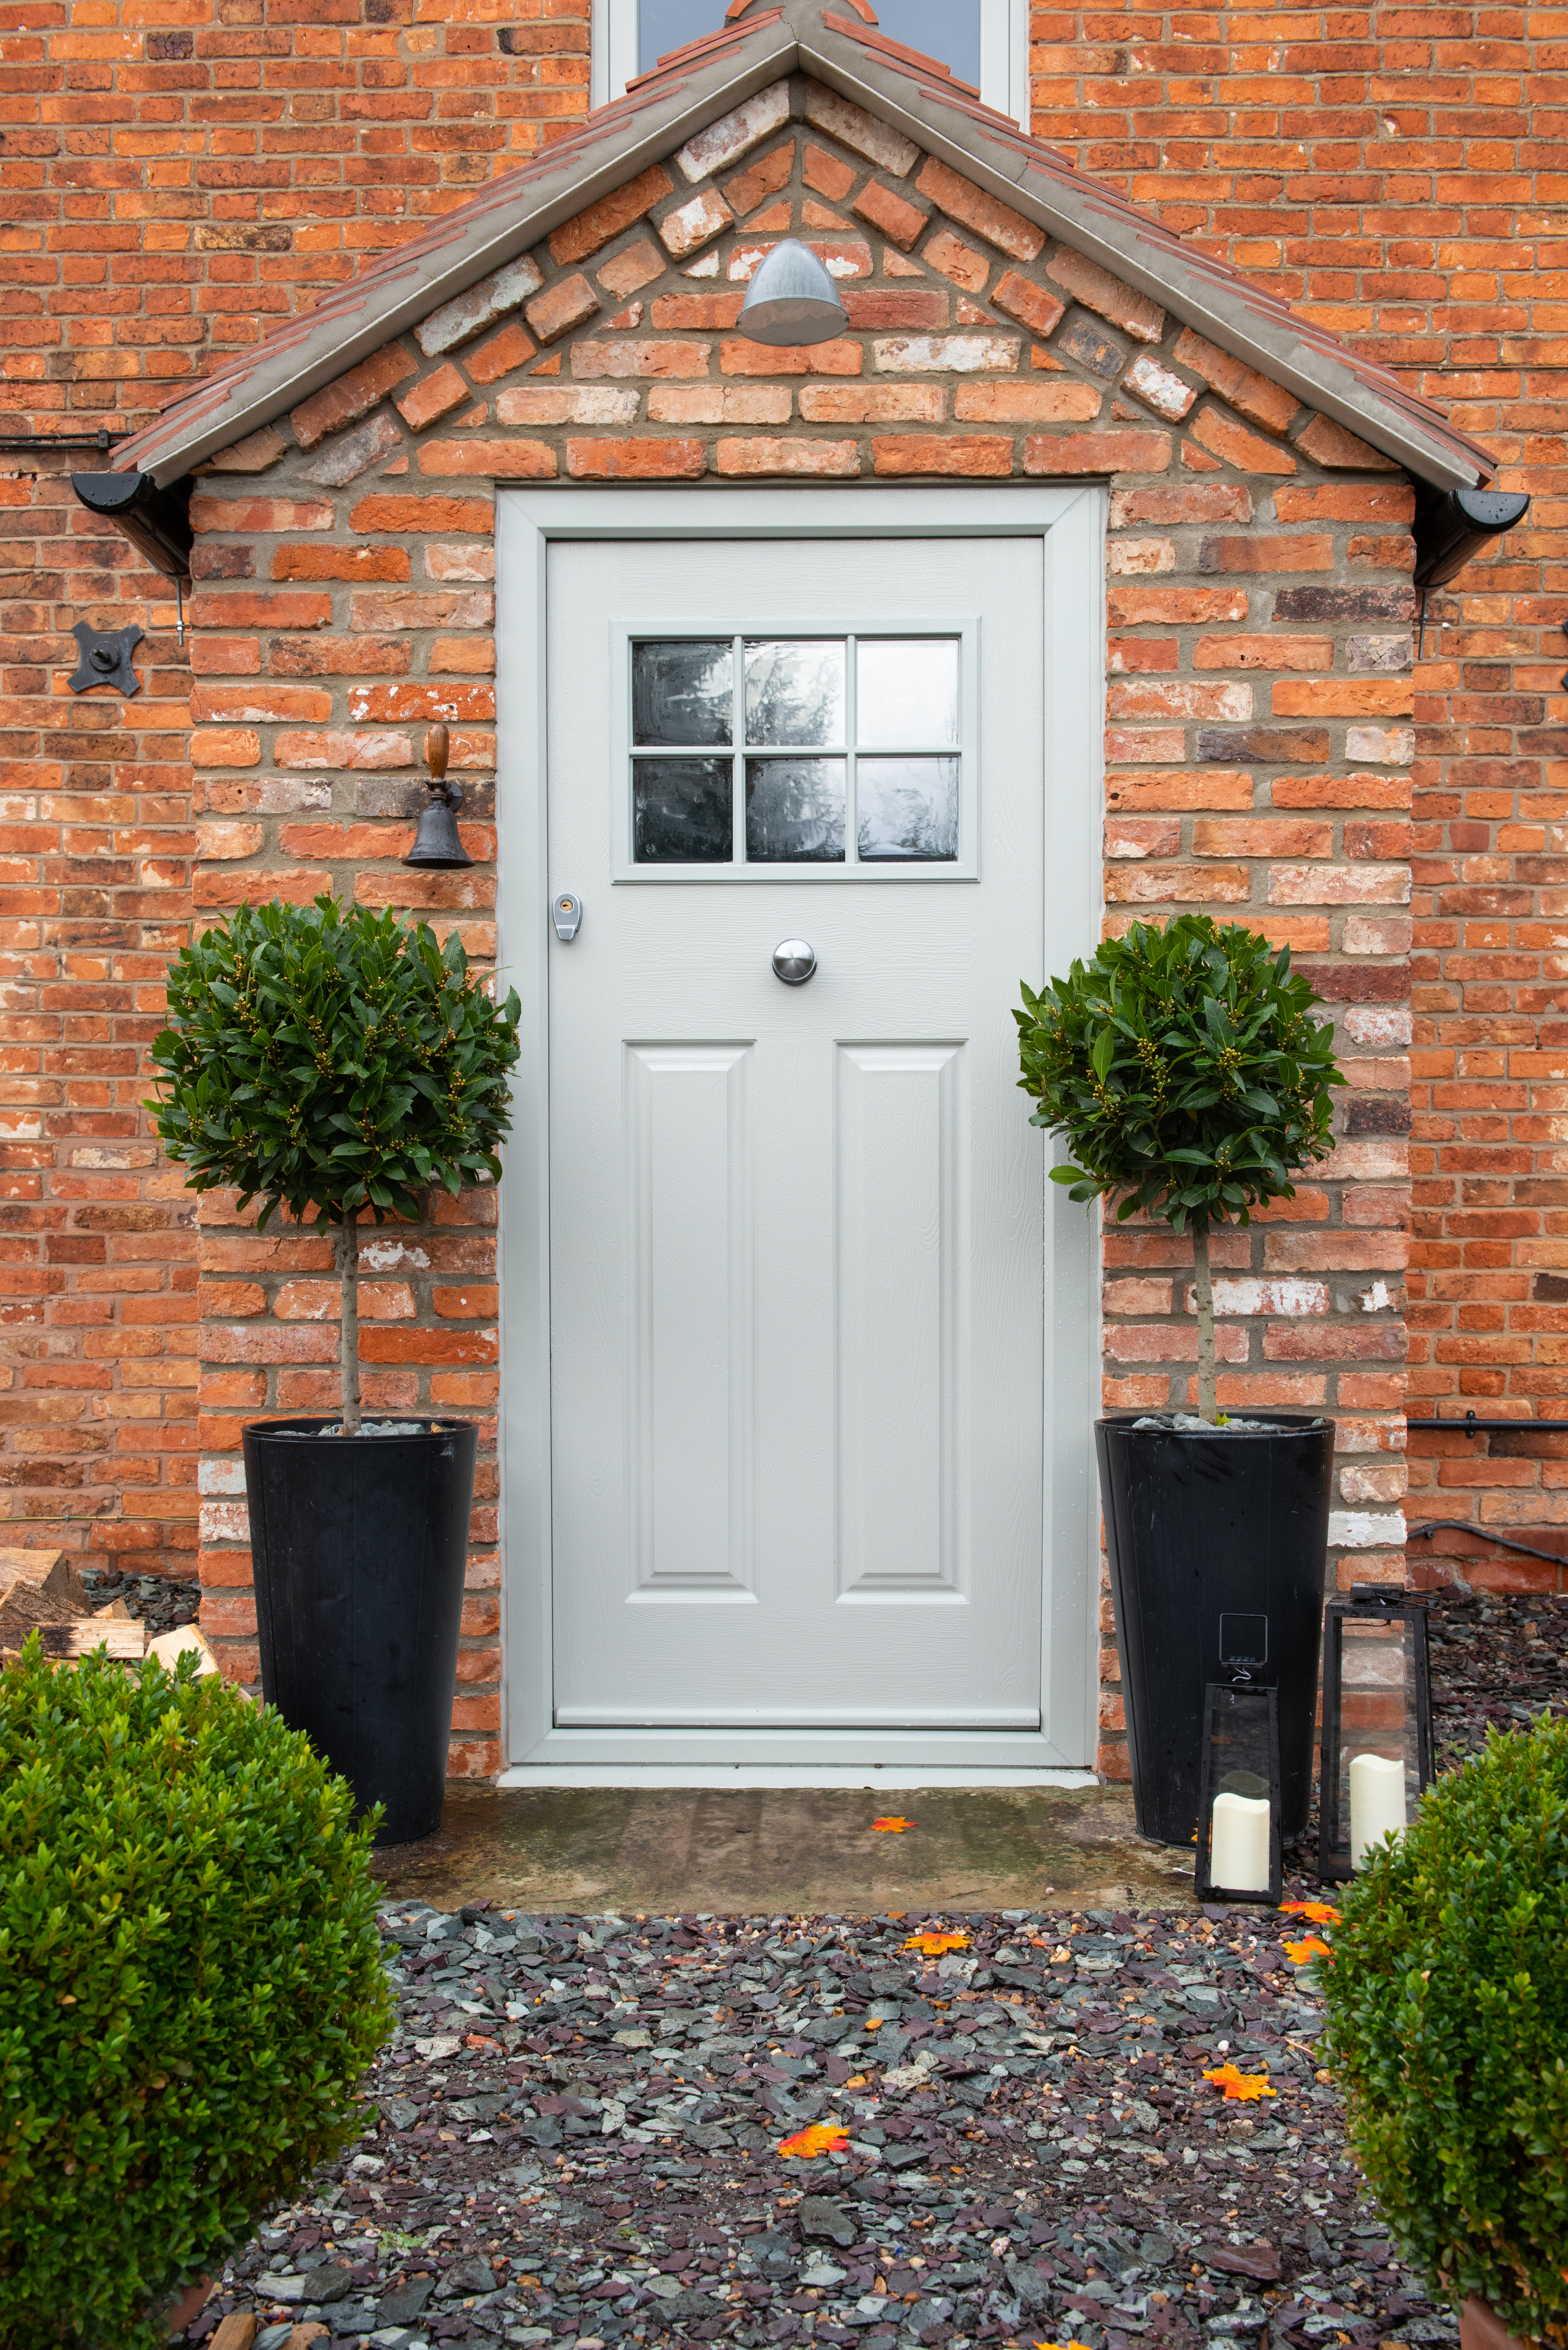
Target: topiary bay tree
point(1185, 1071)
point(330, 1062)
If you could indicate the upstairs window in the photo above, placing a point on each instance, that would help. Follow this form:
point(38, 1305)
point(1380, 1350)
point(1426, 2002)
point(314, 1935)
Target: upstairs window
point(983, 42)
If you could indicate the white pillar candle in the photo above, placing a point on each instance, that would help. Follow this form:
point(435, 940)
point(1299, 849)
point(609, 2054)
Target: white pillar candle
point(1376, 1803)
point(1239, 1852)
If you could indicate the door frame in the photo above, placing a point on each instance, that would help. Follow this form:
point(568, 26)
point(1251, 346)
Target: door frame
point(1070, 521)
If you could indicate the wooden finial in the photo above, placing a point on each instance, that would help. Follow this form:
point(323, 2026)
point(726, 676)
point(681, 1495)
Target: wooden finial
point(436, 751)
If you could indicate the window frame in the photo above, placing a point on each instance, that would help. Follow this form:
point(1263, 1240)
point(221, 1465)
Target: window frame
point(966, 750)
point(1003, 53)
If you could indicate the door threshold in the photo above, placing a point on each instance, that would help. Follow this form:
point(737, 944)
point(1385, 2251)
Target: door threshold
point(784, 1774)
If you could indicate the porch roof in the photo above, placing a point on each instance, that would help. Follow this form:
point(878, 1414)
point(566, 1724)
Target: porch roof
point(837, 43)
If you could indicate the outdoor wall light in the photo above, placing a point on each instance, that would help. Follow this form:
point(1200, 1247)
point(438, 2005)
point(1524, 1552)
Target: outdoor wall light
point(792, 300)
point(437, 842)
point(1238, 1844)
point(1377, 1723)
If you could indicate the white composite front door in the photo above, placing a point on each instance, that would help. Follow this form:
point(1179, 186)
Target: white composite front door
point(797, 1305)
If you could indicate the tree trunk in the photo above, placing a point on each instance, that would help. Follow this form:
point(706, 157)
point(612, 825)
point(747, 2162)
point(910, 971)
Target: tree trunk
point(1207, 1407)
point(349, 1266)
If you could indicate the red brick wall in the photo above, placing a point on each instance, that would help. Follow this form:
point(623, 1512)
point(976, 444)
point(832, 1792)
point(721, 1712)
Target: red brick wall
point(1257, 737)
point(1386, 173)
point(176, 176)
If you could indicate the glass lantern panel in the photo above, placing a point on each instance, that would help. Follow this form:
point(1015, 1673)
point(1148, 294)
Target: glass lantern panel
point(1379, 1765)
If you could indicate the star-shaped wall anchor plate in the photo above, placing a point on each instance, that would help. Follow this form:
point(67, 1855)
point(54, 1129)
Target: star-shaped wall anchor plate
point(106, 658)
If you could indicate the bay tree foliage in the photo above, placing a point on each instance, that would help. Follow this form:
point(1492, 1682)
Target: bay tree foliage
point(1185, 1072)
point(332, 1063)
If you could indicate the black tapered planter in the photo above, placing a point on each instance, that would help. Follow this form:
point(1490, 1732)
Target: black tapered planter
point(1218, 1547)
point(358, 1544)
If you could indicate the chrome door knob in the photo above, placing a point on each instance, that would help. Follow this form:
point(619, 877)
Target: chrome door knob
point(794, 961)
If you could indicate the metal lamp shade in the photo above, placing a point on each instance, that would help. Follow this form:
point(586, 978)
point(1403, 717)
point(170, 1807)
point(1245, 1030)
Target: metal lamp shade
point(1240, 1763)
point(1377, 1723)
point(792, 300)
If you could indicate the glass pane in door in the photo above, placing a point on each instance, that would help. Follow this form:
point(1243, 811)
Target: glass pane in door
point(680, 811)
point(908, 808)
point(794, 811)
point(682, 691)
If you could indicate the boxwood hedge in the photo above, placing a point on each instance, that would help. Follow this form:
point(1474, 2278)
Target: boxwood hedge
point(1447, 2029)
point(190, 1986)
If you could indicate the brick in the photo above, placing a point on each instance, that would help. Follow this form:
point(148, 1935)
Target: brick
point(901, 221)
point(695, 224)
point(826, 173)
point(840, 357)
point(1097, 290)
point(489, 361)
point(719, 403)
point(1329, 444)
point(1191, 502)
point(1234, 446)
point(254, 455)
point(764, 454)
point(1385, 502)
point(970, 454)
point(1026, 403)
point(253, 513)
point(1250, 394)
point(625, 273)
point(1270, 745)
point(872, 403)
point(559, 403)
point(258, 609)
point(352, 395)
point(560, 307)
point(1265, 653)
point(1031, 304)
point(1393, 603)
point(346, 459)
point(1114, 451)
point(1339, 885)
point(588, 231)
point(422, 514)
point(736, 133)
point(1159, 388)
point(1266, 837)
point(436, 396)
point(1175, 607)
point(870, 307)
point(654, 359)
point(503, 461)
point(1311, 551)
point(1342, 697)
point(1179, 788)
point(765, 175)
point(861, 133)
point(960, 262)
point(684, 312)
point(973, 209)
point(620, 461)
point(944, 354)
point(468, 313)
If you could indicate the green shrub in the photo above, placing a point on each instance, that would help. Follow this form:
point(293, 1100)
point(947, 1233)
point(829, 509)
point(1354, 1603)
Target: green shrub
point(1448, 2030)
point(1183, 1068)
point(190, 1986)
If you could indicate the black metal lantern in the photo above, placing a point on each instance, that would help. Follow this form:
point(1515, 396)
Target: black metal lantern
point(1377, 1723)
point(436, 843)
point(1239, 1842)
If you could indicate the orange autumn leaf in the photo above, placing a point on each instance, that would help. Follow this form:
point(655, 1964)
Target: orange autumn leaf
point(1061, 2346)
point(1311, 1947)
point(1316, 1913)
point(1241, 2088)
point(933, 1945)
point(892, 1826)
point(817, 2137)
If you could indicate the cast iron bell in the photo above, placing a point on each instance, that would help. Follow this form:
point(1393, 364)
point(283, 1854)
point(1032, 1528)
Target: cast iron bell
point(436, 843)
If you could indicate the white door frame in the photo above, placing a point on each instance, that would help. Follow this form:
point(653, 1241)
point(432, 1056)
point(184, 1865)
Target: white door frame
point(1071, 523)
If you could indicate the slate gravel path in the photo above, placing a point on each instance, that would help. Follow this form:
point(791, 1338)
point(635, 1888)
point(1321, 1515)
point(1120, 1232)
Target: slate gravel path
point(575, 2132)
